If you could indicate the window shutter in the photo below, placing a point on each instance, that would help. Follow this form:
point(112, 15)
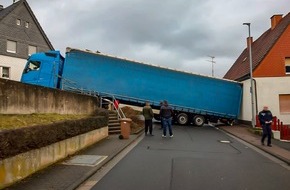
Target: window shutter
point(11, 46)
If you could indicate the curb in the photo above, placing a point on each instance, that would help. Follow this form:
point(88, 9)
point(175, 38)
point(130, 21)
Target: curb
point(89, 174)
point(273, 154)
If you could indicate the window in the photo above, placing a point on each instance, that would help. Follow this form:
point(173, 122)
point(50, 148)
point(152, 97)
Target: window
point(18, 22)
point(32, 66)
point(5, 72)
point(284, 103)
point(26, 24)
point(31, 50)
point(287, 65)
point(11, 46)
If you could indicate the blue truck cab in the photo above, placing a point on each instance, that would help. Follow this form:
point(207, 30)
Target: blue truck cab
point(44, 69)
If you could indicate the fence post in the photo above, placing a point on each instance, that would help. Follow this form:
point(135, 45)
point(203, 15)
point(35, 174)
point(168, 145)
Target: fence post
point(257, 121)
point(274, 124)
point(282, 131)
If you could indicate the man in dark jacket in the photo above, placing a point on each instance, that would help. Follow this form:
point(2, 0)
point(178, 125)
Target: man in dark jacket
point(166, 113)
point(148, 115)
point(161, 104)
point(265, 118)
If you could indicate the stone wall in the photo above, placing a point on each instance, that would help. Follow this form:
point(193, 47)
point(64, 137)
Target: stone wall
point(19, 98)
point(18, 167)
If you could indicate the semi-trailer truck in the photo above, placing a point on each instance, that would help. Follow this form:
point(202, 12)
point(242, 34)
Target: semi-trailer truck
point(194, 98)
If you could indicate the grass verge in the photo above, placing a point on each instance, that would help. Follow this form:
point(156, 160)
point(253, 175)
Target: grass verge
point(11, 121)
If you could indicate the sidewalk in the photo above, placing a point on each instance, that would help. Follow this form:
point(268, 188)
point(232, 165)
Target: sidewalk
point(279, 149)
point(67, 176)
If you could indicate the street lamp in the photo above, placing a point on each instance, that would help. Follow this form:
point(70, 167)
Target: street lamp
point(251, 74)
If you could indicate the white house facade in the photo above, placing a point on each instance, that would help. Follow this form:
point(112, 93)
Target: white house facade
point(273, 92)
point(11, 67)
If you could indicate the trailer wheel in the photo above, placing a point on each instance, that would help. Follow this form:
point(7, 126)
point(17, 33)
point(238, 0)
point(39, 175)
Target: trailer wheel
point(182, 118)
point(198, 120)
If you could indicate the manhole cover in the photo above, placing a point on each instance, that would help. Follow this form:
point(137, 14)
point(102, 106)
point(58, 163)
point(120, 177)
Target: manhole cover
point(225, 141)
point(85, 160)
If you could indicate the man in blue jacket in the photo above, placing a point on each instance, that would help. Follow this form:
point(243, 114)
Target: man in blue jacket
point(265, 118)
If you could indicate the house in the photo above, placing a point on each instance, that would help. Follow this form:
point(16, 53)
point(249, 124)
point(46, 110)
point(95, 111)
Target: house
point(20, 36)
point(271, 71)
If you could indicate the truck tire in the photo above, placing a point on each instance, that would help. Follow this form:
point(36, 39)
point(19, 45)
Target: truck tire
point(198, 120)
point(182, 118)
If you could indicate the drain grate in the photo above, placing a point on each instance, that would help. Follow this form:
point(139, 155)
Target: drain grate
point(85, 160)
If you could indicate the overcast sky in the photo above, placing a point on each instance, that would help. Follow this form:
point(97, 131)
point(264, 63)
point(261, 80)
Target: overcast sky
point(179, 34)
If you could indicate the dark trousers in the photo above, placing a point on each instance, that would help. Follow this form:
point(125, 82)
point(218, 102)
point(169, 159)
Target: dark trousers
point(148, 125)
point(267, 132)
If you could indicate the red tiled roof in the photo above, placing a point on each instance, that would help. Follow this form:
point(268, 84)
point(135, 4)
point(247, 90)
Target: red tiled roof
point(240, 70)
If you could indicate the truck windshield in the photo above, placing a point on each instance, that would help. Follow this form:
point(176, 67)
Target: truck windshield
point(32, 66)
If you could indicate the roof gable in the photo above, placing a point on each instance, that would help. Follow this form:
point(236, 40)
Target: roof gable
point(240, 70)
point(8, 10)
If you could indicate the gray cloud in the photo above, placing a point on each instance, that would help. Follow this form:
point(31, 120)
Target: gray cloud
point(178, 34)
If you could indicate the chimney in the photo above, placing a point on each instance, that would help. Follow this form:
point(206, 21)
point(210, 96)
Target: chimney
point(275, 19)
point(1, 7)
point(249, 41)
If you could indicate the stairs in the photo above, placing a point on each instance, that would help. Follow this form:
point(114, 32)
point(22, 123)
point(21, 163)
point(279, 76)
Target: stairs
point(114, 124)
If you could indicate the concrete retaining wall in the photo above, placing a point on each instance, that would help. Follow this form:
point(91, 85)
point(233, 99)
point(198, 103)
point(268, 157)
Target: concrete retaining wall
point(20, 166)
point(19, 98)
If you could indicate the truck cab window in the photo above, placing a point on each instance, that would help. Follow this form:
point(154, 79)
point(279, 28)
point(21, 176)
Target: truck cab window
point(32, 66)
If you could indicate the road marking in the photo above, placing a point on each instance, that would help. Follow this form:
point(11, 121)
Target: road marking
point(225, 141)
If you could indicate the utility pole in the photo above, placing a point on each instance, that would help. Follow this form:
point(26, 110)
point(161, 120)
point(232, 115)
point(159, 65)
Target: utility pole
point(251, 74)
point(212, 62)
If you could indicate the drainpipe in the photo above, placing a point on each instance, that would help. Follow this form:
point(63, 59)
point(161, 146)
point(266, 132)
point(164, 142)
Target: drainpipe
point(256, 99)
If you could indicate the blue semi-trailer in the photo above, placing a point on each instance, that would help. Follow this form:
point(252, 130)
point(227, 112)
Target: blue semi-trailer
point(195, 98)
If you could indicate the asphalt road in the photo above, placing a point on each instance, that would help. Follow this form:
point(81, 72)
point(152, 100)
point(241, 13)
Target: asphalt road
point(196, 158)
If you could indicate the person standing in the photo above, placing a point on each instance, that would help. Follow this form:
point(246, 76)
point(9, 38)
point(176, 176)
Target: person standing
point(148, 115)
point(161, 103)
point(166, 113)
point(265, 118)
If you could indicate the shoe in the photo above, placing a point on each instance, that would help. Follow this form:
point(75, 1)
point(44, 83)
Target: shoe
point(263, 143)
point(146, 134)
point(151, 135)
point(164, 136)
point(269, 145)
point(171, 136)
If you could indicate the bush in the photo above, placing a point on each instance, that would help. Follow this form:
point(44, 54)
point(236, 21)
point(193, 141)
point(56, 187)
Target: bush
point(24, 139)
